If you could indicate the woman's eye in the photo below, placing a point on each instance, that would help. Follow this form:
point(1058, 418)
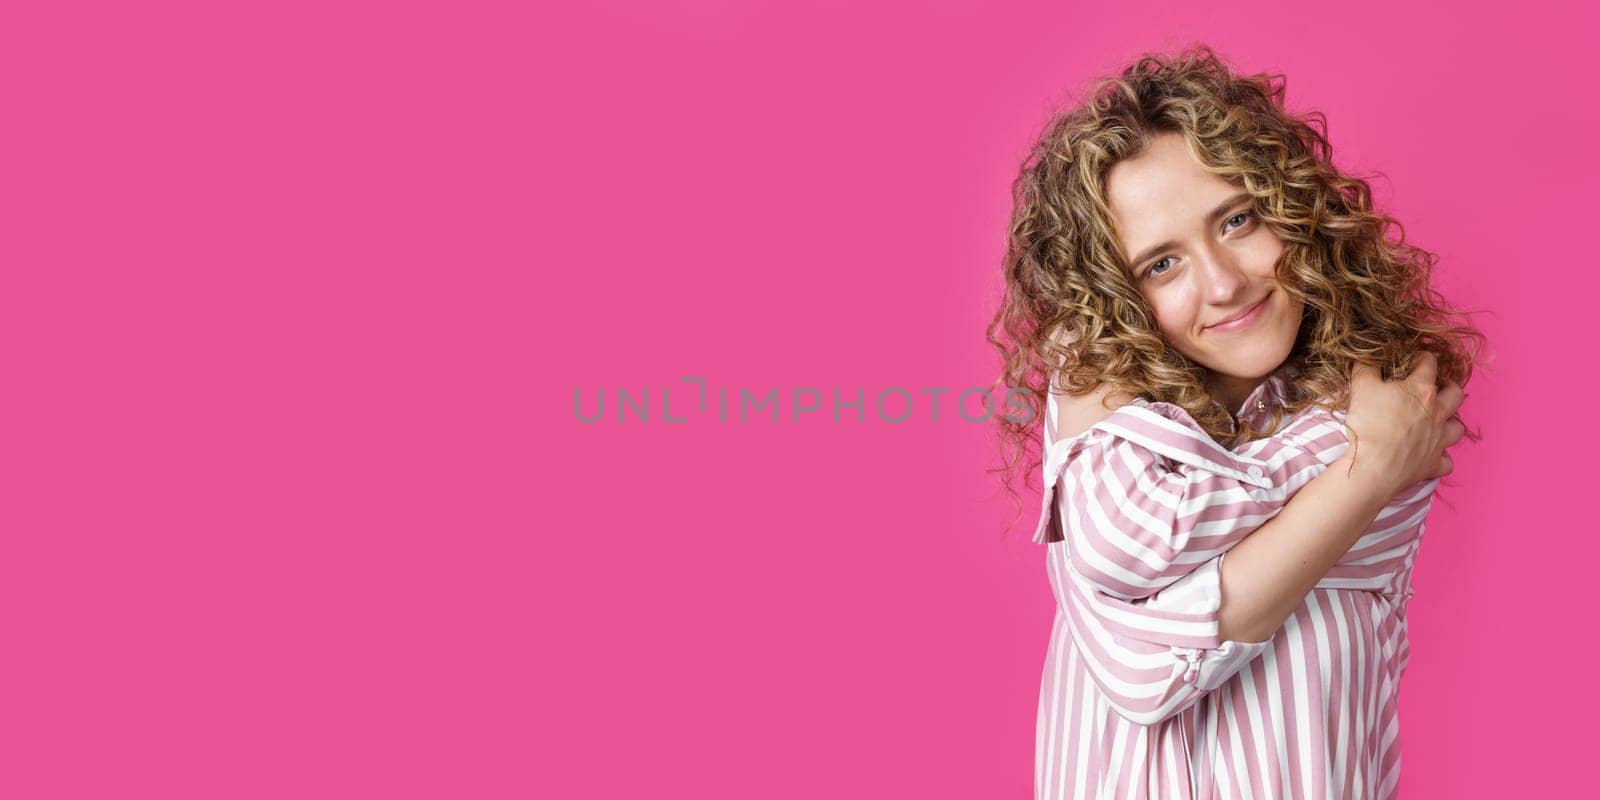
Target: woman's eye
point(1155, 271)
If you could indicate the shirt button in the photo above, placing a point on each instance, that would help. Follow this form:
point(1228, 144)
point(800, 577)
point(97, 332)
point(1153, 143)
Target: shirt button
point(1255, 471)
point(1261, 405)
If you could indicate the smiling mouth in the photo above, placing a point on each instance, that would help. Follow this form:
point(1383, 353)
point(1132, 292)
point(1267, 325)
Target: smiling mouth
point(1245, 313)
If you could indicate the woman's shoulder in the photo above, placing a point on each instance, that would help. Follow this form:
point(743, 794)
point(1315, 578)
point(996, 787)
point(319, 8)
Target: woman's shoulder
point(1314, 429)
point(1316, 416)
point(1076, 414)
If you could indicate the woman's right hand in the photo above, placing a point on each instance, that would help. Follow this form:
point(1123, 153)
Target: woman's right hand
point(1399, 429)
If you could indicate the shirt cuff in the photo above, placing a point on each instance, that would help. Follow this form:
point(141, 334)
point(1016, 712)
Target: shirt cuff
point(1200, 592)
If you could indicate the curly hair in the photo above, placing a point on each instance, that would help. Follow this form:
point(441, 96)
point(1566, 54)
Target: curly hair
point(1069, 303)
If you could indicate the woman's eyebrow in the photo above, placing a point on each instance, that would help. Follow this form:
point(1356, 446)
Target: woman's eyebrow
point(1211, 219)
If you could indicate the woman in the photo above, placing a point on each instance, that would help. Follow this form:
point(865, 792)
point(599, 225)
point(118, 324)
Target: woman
point(1234, 497)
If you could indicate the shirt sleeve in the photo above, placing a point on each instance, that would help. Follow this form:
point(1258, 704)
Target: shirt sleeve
point(1150, 496)
point(1155, 657)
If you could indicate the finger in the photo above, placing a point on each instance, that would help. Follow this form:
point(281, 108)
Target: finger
point(1425, 369)
point(1448, 400)
point(1447, 465)
point(1454, 429)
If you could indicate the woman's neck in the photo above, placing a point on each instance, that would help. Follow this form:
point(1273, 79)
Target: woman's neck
point(1232, 392)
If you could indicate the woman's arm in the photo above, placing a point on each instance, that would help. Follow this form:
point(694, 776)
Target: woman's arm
point(1402, 428)
point(1146, 480)
point(1150, 496)
point(1153, 657)
point(1268, 575)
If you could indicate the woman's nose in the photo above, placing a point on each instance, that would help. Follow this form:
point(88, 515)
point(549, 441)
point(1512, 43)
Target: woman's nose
point(1224, 279)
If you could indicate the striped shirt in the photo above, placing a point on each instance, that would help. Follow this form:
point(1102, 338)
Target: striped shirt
point(1140, 698)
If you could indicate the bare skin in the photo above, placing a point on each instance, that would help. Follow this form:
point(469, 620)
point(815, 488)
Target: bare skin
point(1399, 430)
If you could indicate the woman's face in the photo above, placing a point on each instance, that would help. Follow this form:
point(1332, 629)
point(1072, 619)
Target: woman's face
point(1200, 257)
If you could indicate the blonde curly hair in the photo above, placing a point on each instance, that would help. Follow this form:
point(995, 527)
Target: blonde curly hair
point(1068, 300)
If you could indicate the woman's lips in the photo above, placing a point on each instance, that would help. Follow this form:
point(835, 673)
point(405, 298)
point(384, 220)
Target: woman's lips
point(1245, 321)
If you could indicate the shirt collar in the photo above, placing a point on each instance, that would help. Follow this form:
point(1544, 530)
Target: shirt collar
point(1271, 393)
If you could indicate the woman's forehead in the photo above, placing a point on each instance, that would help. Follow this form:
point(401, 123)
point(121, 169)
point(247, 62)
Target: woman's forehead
point(1164, 194)
point(1166, 179)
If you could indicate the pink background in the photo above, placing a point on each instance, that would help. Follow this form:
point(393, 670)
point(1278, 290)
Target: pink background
point(297, 297)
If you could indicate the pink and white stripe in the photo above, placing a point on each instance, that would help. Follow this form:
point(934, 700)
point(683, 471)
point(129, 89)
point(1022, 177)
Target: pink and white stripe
point(1140, 698)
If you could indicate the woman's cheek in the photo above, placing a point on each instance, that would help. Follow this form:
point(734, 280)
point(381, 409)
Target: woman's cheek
point(1175, 334)
point(1173, 320)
